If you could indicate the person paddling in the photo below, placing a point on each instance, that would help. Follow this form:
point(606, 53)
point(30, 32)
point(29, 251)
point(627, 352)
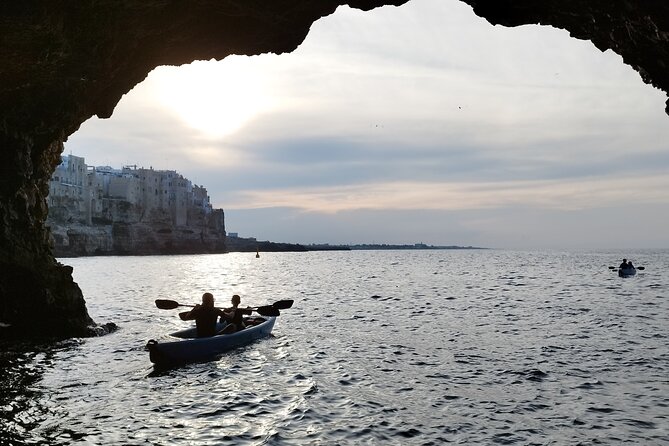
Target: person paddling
point(205, 316)
point(624, 265)
point(234, 316)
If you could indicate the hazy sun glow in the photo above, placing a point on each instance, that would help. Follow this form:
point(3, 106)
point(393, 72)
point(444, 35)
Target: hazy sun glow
point(215, 98)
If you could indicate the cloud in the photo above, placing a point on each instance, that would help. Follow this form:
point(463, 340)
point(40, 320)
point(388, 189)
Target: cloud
point(541, 194)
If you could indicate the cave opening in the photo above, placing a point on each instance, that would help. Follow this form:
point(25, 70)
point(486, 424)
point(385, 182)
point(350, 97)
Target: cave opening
point(569, 152)
point(489, 127)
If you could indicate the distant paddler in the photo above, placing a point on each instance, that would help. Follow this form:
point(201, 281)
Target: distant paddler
point(627, 268)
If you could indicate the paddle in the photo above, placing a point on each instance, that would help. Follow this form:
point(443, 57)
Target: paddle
point(640, 268)
point(265, 310)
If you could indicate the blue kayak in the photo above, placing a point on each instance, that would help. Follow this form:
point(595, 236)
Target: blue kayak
point(189, 348)
point(626, 272)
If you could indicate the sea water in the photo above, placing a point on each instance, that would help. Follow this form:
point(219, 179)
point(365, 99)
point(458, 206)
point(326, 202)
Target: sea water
point(380, 347)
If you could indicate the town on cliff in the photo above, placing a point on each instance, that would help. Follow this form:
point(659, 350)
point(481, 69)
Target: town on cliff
point(136, 211)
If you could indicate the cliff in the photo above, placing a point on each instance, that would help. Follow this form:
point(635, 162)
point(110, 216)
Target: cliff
point(63, 62)
point(122, 238)
point(129, 211)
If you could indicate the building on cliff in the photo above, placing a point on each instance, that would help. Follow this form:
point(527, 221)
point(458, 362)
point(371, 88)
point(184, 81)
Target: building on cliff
point(102, 210)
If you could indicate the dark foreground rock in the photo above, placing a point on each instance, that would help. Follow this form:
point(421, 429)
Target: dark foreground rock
point(51, 307)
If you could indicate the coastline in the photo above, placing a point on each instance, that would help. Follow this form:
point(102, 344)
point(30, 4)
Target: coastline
point(235, 244)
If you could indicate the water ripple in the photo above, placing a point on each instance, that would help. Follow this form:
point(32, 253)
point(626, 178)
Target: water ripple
point(409, 347)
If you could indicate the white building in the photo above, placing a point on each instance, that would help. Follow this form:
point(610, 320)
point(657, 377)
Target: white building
point(91, 192)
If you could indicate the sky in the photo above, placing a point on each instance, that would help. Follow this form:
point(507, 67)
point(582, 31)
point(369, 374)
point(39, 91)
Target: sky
point(414, 124)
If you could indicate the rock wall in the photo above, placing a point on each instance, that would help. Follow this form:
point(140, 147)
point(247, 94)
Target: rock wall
point(139, 238)
point(63, 62)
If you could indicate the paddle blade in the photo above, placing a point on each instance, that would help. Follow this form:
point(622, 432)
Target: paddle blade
point(612, 267)
point(641, 268)
point(268, 310)
point(283, 304)
point(166, 304)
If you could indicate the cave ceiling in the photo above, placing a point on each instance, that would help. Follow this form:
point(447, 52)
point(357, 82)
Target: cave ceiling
point(66, 61)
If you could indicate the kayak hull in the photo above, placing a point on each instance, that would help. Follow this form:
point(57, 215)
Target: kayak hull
point(190, 349)
point(626, 272)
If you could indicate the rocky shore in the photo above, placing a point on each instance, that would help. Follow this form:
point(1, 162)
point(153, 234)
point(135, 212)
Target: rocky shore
point(120, 239)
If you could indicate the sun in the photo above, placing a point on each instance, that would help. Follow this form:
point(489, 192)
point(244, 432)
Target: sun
point(216, 98)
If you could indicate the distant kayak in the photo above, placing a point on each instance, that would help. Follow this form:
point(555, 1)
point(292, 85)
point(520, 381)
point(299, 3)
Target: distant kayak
point(189, 348)
point(626, 272)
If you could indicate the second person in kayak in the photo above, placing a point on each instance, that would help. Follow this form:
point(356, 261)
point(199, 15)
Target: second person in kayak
point(234, 316)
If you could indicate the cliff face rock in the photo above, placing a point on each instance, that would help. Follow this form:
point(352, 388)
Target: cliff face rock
point(63, 62)
point(137, 238)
